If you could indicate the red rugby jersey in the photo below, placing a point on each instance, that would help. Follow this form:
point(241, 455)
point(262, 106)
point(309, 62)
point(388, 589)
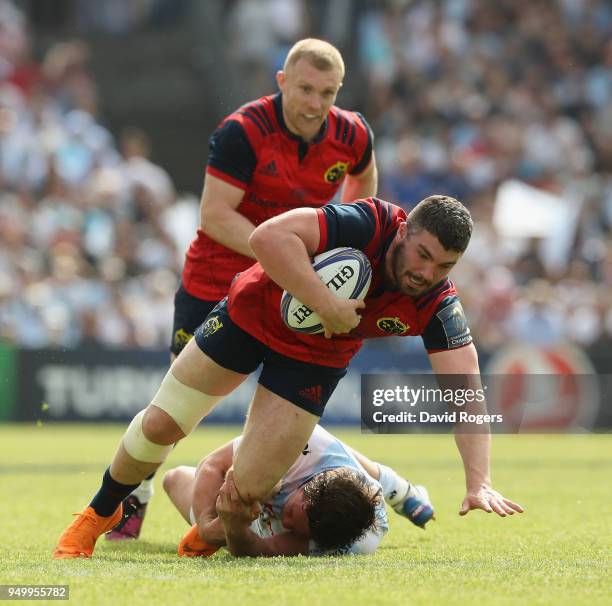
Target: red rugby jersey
point(278, 171)
point(369, 225)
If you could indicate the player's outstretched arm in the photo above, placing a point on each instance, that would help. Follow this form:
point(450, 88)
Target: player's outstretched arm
point(363, 185)
point(219, 218)
point(474, 448)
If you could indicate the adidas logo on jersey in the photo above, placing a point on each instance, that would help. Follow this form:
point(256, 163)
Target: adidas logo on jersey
point(269, 169)
point(312, 394)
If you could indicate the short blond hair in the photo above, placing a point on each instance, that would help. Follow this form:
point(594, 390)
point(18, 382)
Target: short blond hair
point(320, 54)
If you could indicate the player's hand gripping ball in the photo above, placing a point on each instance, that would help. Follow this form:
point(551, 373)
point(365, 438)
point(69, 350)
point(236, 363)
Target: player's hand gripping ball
point(346, 272)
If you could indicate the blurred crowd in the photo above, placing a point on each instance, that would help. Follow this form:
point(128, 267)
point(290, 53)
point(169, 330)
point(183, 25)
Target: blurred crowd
point(90, 241)
point(464, 96)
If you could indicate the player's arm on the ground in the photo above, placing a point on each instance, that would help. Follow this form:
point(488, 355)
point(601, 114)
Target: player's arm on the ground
point(295, 236)
point(209, 478)
point(219, 218)
point(370, 466)
point(474, 448)
point(241, 540)
point(363, 185)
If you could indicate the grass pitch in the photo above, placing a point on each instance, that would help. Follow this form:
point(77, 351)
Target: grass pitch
point(555, 553)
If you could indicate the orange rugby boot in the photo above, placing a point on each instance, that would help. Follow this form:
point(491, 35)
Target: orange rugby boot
point(79, 539)
point(192, 546)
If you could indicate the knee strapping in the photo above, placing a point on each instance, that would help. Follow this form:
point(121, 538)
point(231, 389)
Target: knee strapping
point(187, 406)
point(139, 447)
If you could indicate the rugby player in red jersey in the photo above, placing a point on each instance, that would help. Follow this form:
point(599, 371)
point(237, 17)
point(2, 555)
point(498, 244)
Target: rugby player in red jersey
point(410, 256)
point(274, 154)
point(280, 152)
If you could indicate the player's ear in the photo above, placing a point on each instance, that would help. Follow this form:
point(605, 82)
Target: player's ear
point(402, 229)
point(280, 78)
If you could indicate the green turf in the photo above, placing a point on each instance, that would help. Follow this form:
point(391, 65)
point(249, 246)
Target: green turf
point(556, 553)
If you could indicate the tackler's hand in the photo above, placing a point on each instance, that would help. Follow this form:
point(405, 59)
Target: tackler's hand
point(231, 509)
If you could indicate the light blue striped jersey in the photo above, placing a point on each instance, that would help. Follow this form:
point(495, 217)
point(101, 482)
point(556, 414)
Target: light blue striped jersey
point(322, 453)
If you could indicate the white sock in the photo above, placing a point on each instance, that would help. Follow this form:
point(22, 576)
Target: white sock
point(395, 488)
point(145, 491)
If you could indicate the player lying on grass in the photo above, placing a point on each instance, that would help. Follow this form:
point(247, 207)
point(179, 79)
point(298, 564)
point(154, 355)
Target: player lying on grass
point(329, 502)
point(410, 295)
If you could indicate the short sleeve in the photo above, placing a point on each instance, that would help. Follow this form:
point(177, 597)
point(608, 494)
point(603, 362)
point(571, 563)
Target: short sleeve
point(351, 225)
point(448, 327)
point(231, 155)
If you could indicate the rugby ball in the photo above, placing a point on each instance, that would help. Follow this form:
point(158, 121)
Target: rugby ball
point(347, 273)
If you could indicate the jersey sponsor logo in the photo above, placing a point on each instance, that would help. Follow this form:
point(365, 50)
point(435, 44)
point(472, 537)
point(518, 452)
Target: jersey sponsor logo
point(393, 326)
point(269, 169)
point(211, 326)
point(455, 325)
point(336, 172)
point(306, 450)
point(181, 338)
point(312, 394)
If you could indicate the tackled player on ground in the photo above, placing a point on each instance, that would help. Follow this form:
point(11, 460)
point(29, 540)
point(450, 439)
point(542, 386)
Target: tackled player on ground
point(328, 503)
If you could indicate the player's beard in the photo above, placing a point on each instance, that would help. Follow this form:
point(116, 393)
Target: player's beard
point(399, 272)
